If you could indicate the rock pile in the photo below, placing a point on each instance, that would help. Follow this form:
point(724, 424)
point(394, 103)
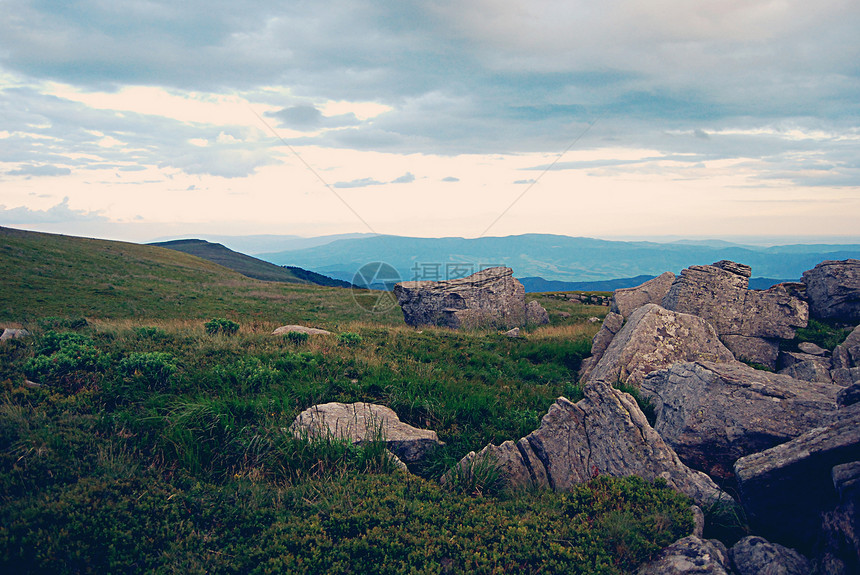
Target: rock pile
point(492, 297)
point(749, 322)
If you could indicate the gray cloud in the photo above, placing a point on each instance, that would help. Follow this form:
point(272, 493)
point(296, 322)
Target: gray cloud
point(360, 183)
point(60, 213)
point(406, 178)
point(450, 179)
point(43, 170)
point(457, 81)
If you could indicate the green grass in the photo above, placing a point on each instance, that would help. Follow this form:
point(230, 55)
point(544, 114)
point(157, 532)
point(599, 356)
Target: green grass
point(154, 446)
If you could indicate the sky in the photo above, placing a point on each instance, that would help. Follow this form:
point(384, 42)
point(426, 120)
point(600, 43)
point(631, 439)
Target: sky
point(147, 119)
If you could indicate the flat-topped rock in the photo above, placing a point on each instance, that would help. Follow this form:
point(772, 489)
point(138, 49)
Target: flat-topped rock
point(654, 338)
point(365, 422)
point(833, 290)
point(712, 414)
point(489, 298)
point(284, 330)
point(691, 555)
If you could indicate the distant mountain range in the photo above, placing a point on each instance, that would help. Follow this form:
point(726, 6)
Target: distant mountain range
point(553, 257)
point(249, 266)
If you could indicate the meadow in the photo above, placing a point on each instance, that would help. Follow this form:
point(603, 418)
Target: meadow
point(135, 440)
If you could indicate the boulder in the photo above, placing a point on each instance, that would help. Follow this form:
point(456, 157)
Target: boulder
point(785, 489)
point(755, 555)
point(654, 338)
point(605, 433)
point(749, 322)
point(849, 395)
point(536, 314)
point(13, 333)
point(513, 333)
point(833, 290)
point(489, 298)
point(812, 349)
point(690, 556)
point(612, 324)
point(284, 330)
point(839, 544)
point(626, 300)
point(805, 366)
point(712, 414)
point(364, 422)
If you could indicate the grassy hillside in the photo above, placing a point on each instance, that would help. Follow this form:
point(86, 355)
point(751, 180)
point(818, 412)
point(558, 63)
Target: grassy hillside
point(141, 443)
point(53, 275)
point(247, 265)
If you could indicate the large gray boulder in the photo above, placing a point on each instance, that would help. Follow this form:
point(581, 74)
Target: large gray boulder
point(749, 322)
point(755, 555)
point(626, 300)
point(489, 298)
point(712, 414)
point(690, 556)
point(362, 423)
point(654, 338)
point(805, 366)
point(604, 433)
point(786, 488)
point(833, 290)
point(13, 333)
point(285, 329)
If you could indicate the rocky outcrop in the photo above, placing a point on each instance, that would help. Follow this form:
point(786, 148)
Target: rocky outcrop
point(749, 322)
point(655, 338)
point(786, 488)
point(365, 422)
point(712, 414)
point(833, 290)
point(605, 433)
point(690, 556)
point(626, 300)
point(757, 556)
point(536, 314)
point(284, 330)
point(489, 298)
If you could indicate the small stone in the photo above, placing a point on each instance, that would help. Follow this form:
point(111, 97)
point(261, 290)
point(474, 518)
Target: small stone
point(513, 333)
point(812, 349)
point(284, 330)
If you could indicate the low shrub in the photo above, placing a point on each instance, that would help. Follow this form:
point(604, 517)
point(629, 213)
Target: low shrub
point(55, 323)
point(155, 368)
point(221, 326)
point(297, 337)
point(349, 339)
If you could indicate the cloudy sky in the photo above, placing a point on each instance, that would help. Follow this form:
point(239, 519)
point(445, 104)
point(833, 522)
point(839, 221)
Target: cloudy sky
point(147, 118)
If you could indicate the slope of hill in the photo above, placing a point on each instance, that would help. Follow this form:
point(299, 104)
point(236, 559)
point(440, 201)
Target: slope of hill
point(54, 275)
point(247, 265)
point(553, 257)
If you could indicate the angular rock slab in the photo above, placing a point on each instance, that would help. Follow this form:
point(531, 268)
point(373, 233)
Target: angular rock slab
point(489, 298)
point(784, 489)
point(627, 300)
point(612, 324)
point(655, 338)
point(690, 556)
point(284, 330)
point(833, 289)
point(605, 433)
point(364, 422)
point(845, 363)
point(712, 414)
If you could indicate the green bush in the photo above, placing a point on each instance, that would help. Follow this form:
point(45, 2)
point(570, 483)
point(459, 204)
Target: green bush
point(821, 333)
point(150, 333)
point(297, 337)
point(349, 339)
point(221, 326)
point(68, 360)
point(155, 368)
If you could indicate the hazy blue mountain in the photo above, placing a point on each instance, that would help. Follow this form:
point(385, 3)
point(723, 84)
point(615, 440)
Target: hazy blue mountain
point(551, 257)
point(255, 244)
